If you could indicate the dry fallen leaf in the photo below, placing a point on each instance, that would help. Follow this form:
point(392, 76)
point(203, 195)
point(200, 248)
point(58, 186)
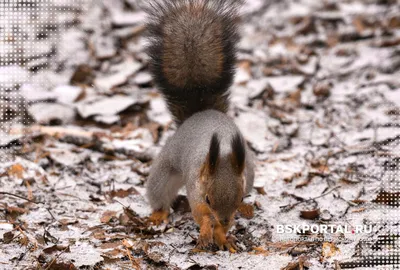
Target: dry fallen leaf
point(260, 190)
point(329, 250)
point(55, 248)
point(310, 214)
point(122, 193)
point(359, 210)
point(16, 170)
point(259, 251)
point(8, 237)
point(322, 89)
point(246, 210)
point(82, 75)
point(359, 24)
point(54, 265)
point(358, 201)
point(300, 264)
point(108, 216)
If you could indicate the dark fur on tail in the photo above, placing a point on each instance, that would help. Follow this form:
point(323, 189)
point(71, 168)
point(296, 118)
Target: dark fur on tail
point(192, 51)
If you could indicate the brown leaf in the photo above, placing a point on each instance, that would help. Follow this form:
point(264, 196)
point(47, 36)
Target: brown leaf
point(387, 42)
point(134, 218)
point(259, 251)
point(246, 210)
point(114, 253)
point(329, 249)
point(122, 193)
point(99, 234)
point(290, 178)
point(310, 214)
point(359, 210)
point(108, 216)
point(204, 267)
point(67, 221)
point(394, 22)
point(359, 24)
point(123, 219)
point(348, 181)
point(54, 265)
point(295, 97)
point(358, 201)
point(130, 213)
point(56, 248)
point(126, 244)
point(258, 205)
point(8, 237)
point(299, 264)
point(82, 75)
point(246, 65)
point(16, 210)
point(108, 245)
point(304, 183)
point(322, 89)
point(154, 129)
point(24, 240)
point(260, 190)
point(306, 26)
point(16, 170)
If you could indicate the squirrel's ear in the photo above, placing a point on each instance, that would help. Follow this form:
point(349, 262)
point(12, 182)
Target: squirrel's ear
point(238, 153)
point(213, 154)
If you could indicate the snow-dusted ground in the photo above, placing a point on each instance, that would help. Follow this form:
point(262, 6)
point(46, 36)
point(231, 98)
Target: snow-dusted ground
point(317, 96)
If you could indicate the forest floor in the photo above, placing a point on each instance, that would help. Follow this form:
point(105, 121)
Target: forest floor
point(316, 95)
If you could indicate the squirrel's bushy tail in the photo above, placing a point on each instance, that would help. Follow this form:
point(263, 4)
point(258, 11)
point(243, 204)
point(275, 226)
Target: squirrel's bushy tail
point(192, 51)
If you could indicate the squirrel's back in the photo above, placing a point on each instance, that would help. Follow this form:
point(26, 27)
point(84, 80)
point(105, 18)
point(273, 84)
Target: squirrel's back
point(192, 51)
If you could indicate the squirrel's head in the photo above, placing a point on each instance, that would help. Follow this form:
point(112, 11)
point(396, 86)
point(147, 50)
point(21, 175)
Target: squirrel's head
point(223, 179)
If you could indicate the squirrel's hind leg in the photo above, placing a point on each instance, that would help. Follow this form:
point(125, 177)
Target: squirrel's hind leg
point(162, 187)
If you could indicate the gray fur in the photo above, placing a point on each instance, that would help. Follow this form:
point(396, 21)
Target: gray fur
point(183, 155)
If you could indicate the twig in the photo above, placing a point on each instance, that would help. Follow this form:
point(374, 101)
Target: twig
point(55, 258)
point(290, 206)
point(134, 262)
point(51, 214)
point(18, 196)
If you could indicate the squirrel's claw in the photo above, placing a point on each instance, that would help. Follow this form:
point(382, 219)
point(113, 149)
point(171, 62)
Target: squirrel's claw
point(228, 244)
point(232, 242)
point(158, 217)
point(205, 240)
point(223, 242)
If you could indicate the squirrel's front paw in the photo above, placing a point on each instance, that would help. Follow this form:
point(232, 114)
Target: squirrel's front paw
point(158, 217)
point(205, 239)
point(223, 242)
point(227, 243)
point(231, 240)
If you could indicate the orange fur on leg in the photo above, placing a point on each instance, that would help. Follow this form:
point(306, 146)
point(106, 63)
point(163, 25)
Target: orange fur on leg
point(202, 215)
point(221, 239)
point(158, 217)
point(206, 233)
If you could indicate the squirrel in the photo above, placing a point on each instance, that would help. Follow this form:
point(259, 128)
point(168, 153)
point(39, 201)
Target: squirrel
point(192, 52)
